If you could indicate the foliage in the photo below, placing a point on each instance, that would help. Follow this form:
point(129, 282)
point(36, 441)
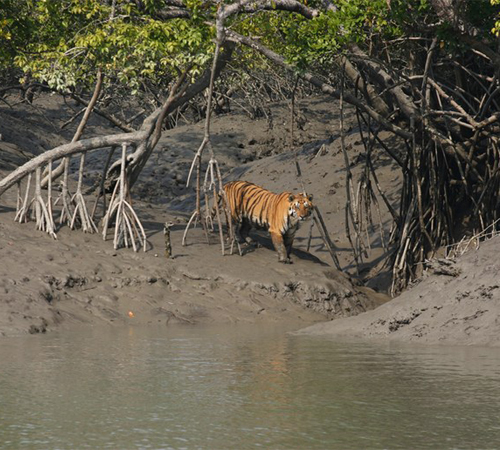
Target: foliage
point(496, 27)
point(318, 40)
point(15, 26)
point(65, 41)
point(62, 42)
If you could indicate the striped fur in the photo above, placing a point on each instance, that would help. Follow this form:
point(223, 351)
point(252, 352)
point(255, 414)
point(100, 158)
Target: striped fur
point(281, 214)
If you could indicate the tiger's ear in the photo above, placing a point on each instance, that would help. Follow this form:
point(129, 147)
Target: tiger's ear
point(310, 197)
point(291, 198)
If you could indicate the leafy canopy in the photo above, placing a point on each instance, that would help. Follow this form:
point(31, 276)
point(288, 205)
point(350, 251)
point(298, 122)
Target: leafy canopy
point(65, 41)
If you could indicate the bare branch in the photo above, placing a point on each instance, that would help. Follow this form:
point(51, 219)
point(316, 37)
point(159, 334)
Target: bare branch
point(114, 120)
point(68, 150)
point(316, 81)
point(250, 6)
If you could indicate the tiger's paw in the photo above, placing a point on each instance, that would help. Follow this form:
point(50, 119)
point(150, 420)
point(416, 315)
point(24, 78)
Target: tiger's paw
point(286, 261)
point(251, 243)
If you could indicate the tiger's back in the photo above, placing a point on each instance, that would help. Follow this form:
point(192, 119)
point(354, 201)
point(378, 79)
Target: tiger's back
point(252, 205)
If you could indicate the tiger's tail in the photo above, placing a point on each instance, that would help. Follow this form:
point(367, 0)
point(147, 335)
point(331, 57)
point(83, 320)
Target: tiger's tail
point(218, 202)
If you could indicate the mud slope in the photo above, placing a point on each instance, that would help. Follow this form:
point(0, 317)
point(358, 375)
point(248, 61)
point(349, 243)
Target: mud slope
point(456, 303)
point(47, 284)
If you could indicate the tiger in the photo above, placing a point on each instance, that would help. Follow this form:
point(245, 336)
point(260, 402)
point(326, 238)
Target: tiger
point(281, 214)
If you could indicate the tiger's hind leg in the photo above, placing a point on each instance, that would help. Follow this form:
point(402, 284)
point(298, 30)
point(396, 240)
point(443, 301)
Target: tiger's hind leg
point(244, 231)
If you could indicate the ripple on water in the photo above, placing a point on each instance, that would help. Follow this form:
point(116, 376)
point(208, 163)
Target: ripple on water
point(242, 387)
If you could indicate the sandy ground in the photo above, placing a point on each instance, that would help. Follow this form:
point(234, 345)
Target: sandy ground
point(47, 285)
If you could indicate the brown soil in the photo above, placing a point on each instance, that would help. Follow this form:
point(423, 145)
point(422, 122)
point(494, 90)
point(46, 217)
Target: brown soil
point(48, 284)
point(456, 302)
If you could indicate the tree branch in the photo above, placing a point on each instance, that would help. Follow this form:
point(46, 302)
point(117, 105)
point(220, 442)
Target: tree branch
point(250, 6)
point(316, 81)
point(68, 150)
point(114, 120)
point(404, 102)
point(142, 153)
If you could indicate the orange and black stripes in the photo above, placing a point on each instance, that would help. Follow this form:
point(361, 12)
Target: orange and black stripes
point(280, 213)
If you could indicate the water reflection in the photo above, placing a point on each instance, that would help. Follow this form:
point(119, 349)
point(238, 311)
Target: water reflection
point(242, 387)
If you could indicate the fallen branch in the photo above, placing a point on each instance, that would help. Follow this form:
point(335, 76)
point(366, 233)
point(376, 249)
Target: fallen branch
point(68, 150)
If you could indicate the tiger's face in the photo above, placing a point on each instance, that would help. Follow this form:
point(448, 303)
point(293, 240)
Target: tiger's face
point(300, 207)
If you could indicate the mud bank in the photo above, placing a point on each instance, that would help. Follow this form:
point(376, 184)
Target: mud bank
point(48, 284)
point(456, 303)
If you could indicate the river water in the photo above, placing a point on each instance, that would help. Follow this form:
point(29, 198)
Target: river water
point(239, 387)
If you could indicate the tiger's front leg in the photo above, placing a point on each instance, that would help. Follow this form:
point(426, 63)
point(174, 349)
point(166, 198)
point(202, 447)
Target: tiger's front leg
point(288, 240)
point(279, 245)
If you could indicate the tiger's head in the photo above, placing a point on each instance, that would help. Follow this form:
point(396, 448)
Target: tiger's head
point(300, 207)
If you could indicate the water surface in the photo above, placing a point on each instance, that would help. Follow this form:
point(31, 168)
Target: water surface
point(238, 387)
